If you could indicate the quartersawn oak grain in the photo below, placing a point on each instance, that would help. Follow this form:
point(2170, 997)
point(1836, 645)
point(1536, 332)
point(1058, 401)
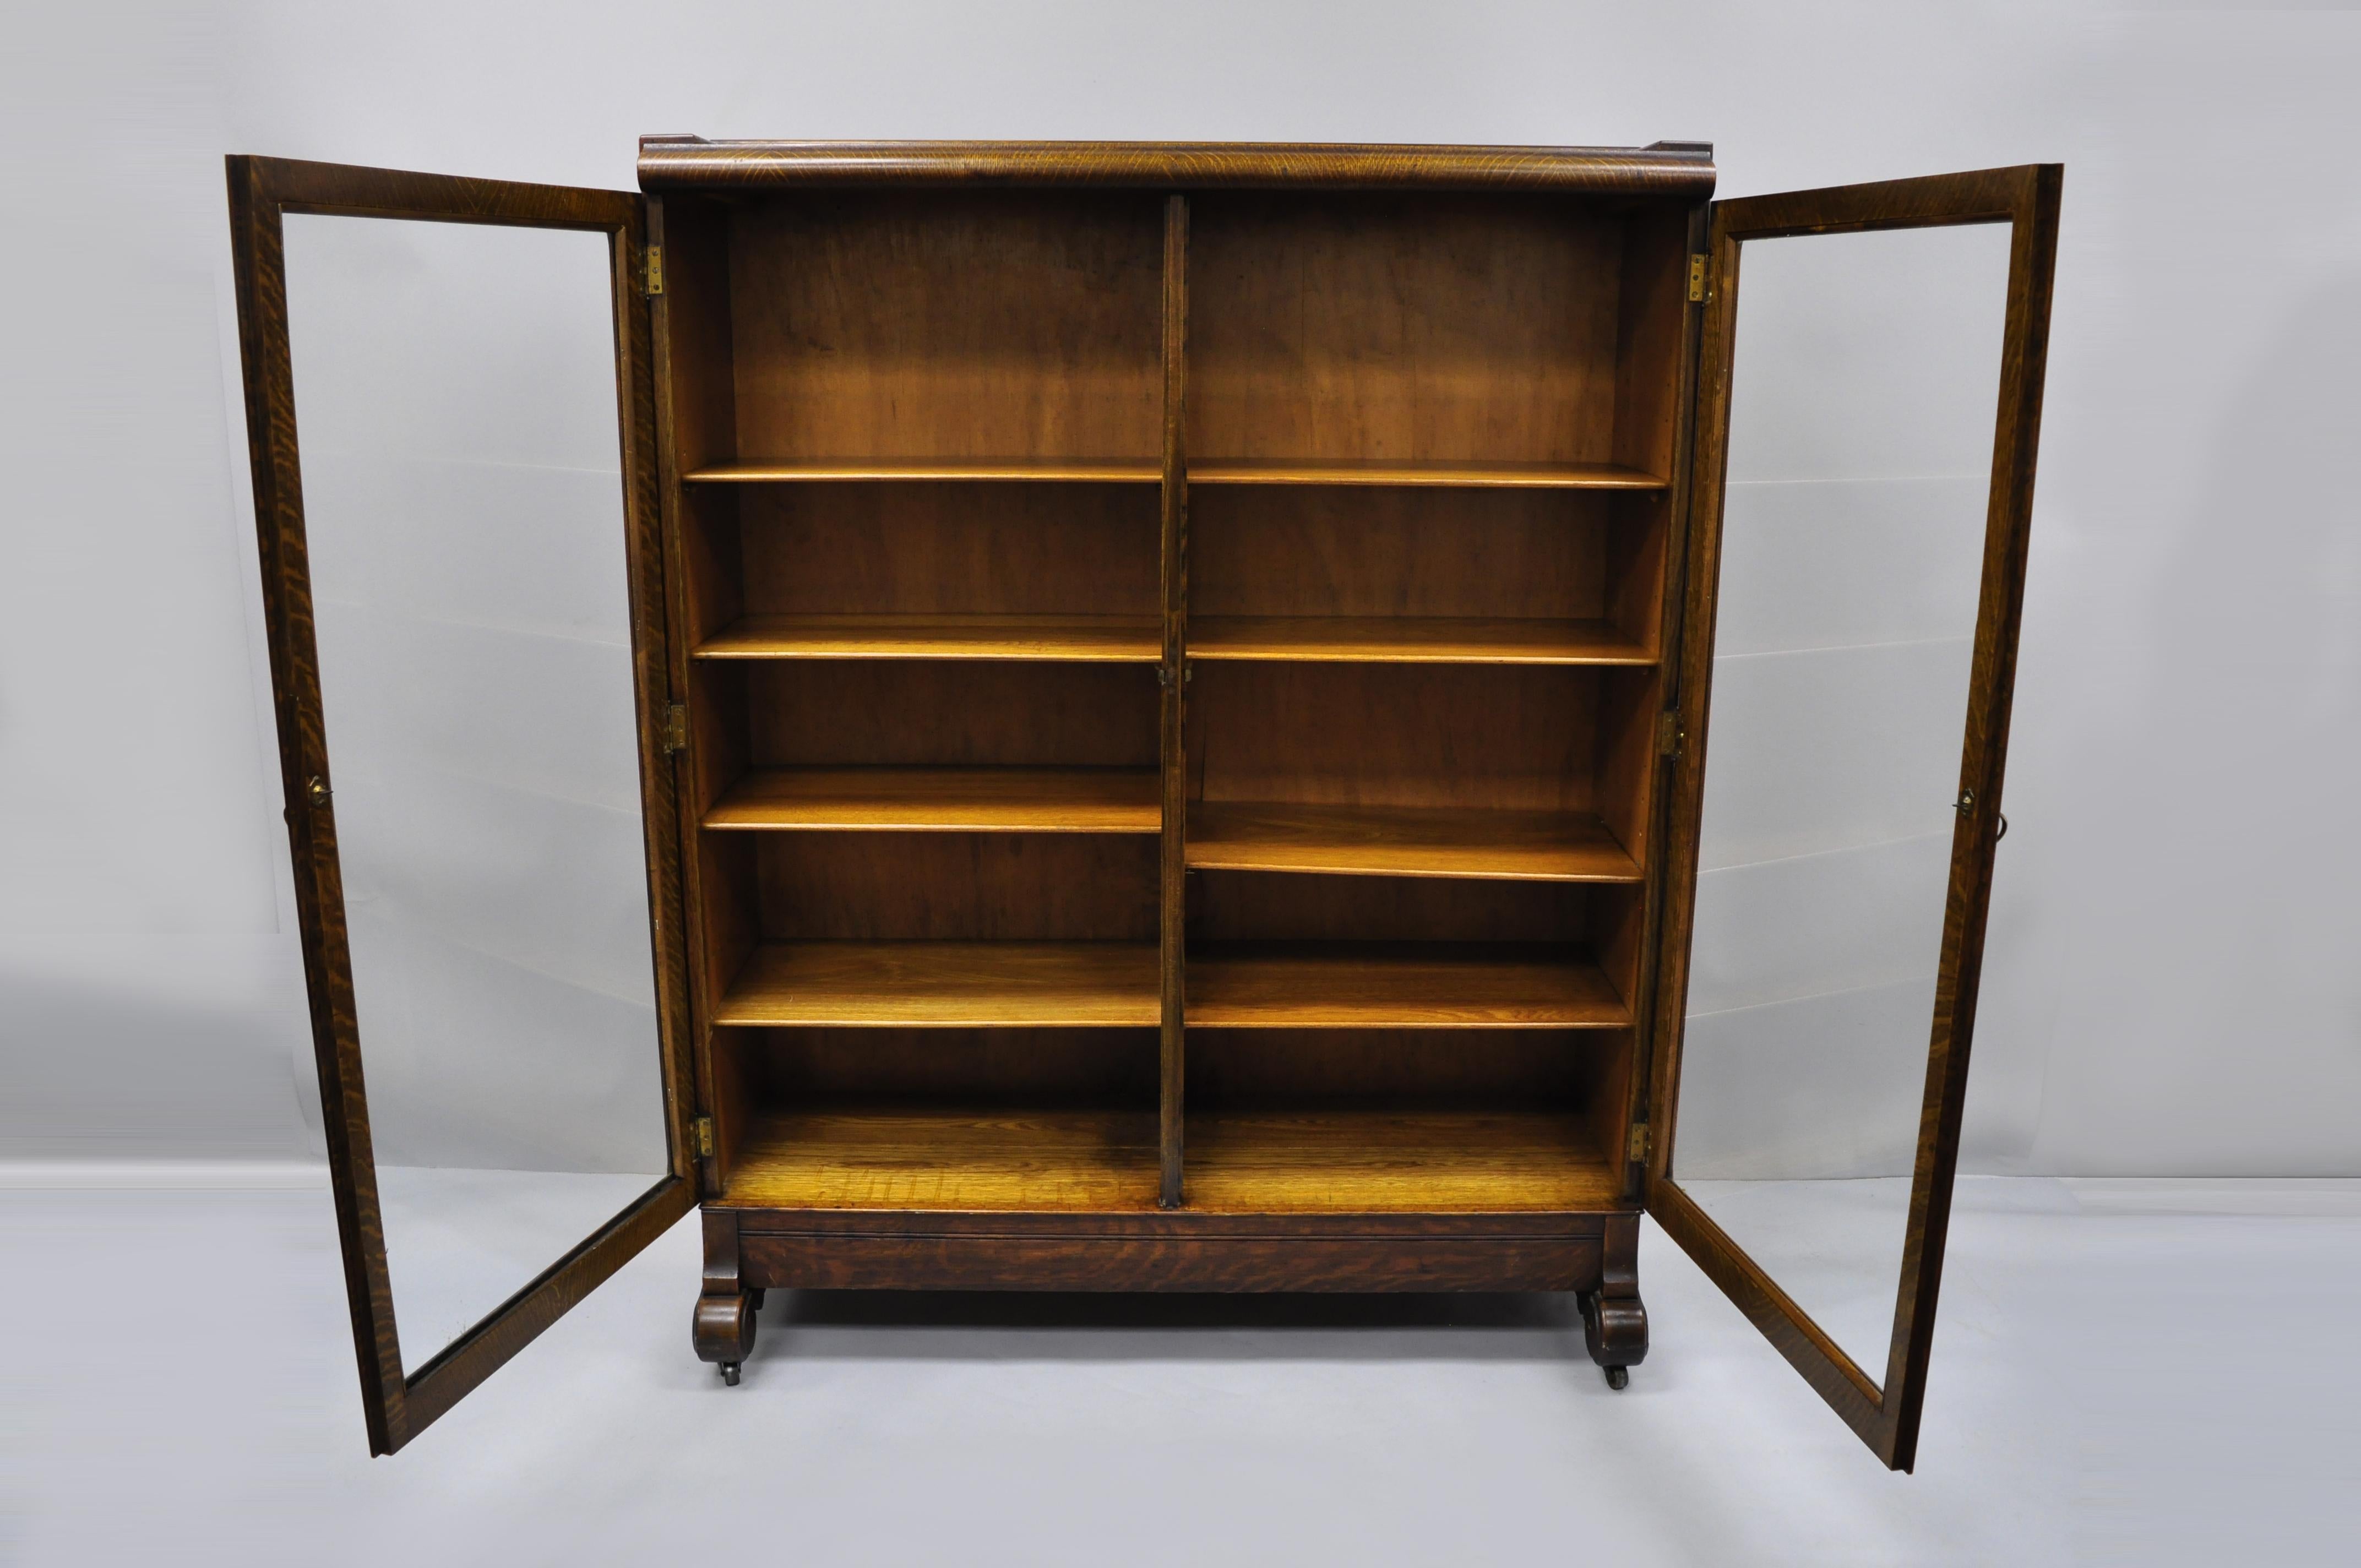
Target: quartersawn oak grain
point(1412, 640)
point(1375, 1161)
point(1087, 638)
point(942, 985)
point(902, 1156)
point(960, 800)
point(1399, 986)
point(1377, 840)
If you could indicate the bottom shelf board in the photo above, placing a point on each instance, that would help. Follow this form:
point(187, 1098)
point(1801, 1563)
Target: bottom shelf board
point(1328, 1162)
point(1334, 1162)
point(947, 1158)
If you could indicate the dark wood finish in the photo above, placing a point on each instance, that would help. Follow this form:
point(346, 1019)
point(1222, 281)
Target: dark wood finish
point(1884, 1414)
point(950, 326)
point(939, 548)
point(1398, 1070)
point(1098, 889)
point(1614, 1322)
point(1680, 171)
point(1334, 332)
point(722, 1329)
point(807, 1261)
point(1422, 873)
point(1043, 1069)
point(261, 191)
point(694, 420)
point(1501, 737)
point(1173, 678)
point(950, 713)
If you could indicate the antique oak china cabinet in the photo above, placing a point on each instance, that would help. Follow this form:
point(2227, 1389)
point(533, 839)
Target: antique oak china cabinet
point(1099, 717)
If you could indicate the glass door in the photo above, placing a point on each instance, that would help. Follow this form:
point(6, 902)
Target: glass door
point(466, 603)
point(1860, 491)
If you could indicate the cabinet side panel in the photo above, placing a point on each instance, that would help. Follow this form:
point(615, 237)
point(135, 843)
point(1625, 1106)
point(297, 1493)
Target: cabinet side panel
point(1652, 315)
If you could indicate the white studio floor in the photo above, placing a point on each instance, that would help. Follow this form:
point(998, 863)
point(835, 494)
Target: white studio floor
point(2140, 1372)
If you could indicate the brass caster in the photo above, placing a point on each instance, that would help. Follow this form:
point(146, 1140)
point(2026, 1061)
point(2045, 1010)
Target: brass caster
point(729, 1373)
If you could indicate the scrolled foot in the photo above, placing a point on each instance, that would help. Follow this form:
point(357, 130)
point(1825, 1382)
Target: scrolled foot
point(1615, 1332)
point(724, 1330)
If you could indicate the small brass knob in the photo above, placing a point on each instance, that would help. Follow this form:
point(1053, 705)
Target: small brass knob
point(318, 790)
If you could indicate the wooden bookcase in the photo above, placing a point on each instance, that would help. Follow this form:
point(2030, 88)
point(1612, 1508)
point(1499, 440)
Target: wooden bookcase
point(1169, 690)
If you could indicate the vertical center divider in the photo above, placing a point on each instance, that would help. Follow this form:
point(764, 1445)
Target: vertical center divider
point(1172, 677)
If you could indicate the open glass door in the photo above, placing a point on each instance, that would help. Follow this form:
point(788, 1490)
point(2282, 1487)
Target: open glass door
point(466, 602)
point(1856, 565)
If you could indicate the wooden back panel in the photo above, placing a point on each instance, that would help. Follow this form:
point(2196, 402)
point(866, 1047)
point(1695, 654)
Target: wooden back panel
point(1350, 325)
point(873, 324)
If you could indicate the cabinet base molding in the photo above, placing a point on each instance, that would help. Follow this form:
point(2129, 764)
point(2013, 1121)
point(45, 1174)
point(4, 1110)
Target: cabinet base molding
point(752, 1250)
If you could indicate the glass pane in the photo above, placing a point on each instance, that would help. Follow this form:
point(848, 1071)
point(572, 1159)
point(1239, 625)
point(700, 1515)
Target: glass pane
point(454, 398)
point(1864, 396)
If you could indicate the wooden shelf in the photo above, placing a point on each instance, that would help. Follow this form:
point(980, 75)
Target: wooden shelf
point(1369, 1161)
point(937, 1158)
point(1386, 986)
point(949, 800)
point(946, 984)
point(1423, 640)
point(1454, 474)
point(1069, 471)
point(1101, 638)
point(1396, 840)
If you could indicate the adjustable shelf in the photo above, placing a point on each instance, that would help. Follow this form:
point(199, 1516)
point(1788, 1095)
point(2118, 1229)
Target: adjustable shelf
point(945, 985)
point(949, 800)
point(1086, 639)
point(1373, 1161)
point(1080, 470)
point(1470, 474)
point(1399, 986)
point(1396, 840)
point(904, 1157)
point(1412, 640)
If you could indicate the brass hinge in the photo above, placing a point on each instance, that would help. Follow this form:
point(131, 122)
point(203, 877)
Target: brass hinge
point(652, 283)
point(676, 731)
point(1697, 279)
point(1639, 1141)
point(701, 1133)
point(1669, 737)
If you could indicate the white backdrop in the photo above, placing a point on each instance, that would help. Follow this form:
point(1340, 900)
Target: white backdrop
point(2171, 985)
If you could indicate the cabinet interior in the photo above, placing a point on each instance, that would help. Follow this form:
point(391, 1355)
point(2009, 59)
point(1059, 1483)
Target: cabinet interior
point(920, 449)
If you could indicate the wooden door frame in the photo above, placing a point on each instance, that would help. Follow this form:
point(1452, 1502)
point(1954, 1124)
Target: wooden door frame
point(261, 191)
point(1885, 1415)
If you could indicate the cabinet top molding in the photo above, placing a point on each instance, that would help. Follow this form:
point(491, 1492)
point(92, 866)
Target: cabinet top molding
point(1665, 168)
